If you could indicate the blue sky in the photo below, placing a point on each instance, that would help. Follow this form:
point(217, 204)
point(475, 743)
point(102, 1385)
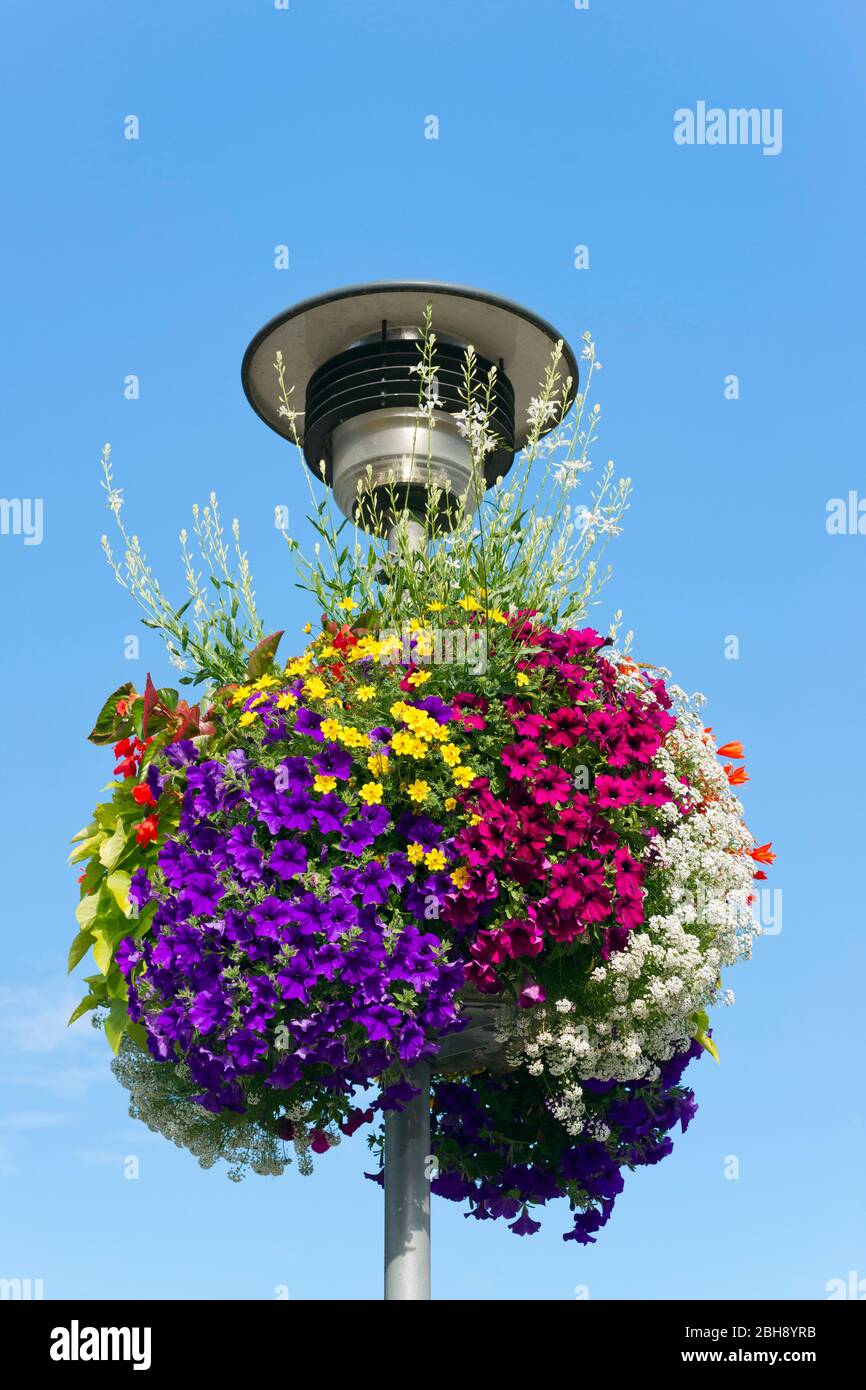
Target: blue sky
point(155, 257)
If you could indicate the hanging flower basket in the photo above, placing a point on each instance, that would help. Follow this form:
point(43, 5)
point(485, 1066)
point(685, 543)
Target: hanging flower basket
point(530, 874)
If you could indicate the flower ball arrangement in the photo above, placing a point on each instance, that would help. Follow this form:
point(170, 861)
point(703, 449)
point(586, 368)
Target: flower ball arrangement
point(303, 885)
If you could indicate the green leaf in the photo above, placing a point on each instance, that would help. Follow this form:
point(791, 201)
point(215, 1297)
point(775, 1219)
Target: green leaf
point(136, 714)
point(103, 948)
point(79, 948)
point(116, 1024)
point(90, 1001)
point(706, 1042)
point(84, 834)
point(261, 657)
point(111, 850)
point(86, 848)
point(117, 884)
point(140, 924)
point(106, 813)
point(85, 912)
point(137, 1032)
point(109, 724)
point(116, 985)
point(93, 876)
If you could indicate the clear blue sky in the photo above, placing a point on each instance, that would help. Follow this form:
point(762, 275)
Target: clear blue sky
point(306, 127)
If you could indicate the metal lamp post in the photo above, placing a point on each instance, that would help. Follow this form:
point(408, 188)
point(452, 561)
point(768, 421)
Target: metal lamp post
point(348, 355)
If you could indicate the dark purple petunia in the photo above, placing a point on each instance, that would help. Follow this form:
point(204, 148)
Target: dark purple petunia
point(140, 889)
point(309, 723)
point(288, 859)
point(180, 754)
point(524, 1225)
point(200, 894)
point(333, 761)
point(357, 836)
point(210, 1010)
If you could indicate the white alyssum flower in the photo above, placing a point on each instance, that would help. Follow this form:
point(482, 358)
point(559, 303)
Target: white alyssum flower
point(635, 1010)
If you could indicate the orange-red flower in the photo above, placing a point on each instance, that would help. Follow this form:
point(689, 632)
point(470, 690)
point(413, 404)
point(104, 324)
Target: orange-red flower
point(731, 750)
point(736, 775)
point(763, 854)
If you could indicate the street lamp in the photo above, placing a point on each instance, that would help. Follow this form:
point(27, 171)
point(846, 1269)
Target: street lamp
point(349, 354)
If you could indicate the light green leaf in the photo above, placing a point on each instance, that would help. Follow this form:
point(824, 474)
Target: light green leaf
point(85, 912)
point(106, 814)
point(706, 1042)
point(86, 848)
point(84, 834)
point(103, 948)
point(117, 884)
point(79, 948)
point(113, 848)
point(89, 1001)
point(116, 1023)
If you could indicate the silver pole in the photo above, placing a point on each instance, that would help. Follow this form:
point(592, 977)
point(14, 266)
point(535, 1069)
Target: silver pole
point(407, 1131)
point(407, 1194)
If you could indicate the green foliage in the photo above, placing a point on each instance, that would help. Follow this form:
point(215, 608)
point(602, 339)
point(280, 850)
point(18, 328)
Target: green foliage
point(211, 644)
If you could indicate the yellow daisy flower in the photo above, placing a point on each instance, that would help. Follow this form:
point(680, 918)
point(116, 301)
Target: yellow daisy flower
point(330, 728)
point(406, 745)
point(353, 738)
point(287, 700)
point(450, 753)
point(322, 783)
point(435, 859)
point(419, 677)
point(371, 792)
point(365, 693)
point(463, 776)
point(348, 604)
point(459, 876)
point(450, 803)
point(522, 678)
point(415, 853)
point(419, 790)
point(378, 764)
point(315, 688)
point(248, 718)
